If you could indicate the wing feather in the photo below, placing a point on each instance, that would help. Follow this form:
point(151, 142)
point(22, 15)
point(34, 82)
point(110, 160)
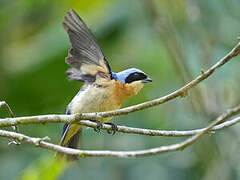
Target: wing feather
point(85, 56)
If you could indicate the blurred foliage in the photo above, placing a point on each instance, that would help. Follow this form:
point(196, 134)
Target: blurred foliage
point(170, 40)
point(42, 170)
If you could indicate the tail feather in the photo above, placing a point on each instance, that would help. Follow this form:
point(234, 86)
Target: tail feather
point(71, 138)
point(75, 143)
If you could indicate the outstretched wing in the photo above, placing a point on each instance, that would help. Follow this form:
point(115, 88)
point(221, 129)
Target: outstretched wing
point(85, 56)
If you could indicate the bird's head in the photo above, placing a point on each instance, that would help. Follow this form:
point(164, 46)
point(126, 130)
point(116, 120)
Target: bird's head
point(132, 78)
point(132, 75)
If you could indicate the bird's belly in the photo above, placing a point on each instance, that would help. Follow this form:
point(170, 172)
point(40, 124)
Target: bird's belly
point(94, 100)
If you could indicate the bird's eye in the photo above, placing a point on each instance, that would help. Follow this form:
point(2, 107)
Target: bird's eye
point(135, 77)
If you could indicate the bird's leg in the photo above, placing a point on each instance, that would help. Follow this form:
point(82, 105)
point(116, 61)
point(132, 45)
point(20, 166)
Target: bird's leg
point(114, 128)
point(99, 126)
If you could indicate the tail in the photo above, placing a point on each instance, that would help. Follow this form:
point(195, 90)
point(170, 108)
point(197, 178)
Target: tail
point(74, 142)
point(71, 137)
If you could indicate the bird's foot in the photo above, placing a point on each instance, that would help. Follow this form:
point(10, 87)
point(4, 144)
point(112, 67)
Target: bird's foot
point(99, 126)
point(114, 128)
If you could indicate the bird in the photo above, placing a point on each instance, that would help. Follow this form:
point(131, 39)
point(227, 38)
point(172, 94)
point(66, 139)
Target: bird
point(103, 90)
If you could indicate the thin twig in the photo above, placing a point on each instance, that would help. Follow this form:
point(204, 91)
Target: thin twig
point(7, 107)
point(95, 116)
point(100, 115)
point(69, 119)
point(40, 142)
point(11, 114)
point(150, 132)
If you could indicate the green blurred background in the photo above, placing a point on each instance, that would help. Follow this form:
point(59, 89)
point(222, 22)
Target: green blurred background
point(170, 40)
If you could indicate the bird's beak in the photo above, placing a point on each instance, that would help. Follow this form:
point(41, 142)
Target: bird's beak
point(147, 80)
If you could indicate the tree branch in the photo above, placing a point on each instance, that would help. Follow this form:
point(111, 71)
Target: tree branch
point(150, 132)
point(40, 142)
point(65, 119)
point(11, 114)
point(7, 107)
point(96, 116)
point(229, 113)
point(99, 115)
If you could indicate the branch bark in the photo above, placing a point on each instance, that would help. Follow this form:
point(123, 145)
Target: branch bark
point(7, 107)
point(65, 119)
point(40, 142)
point(99, 115)
point(11, 114)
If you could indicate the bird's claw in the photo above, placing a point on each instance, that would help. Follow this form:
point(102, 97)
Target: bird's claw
point(114, 128)
point(99, 126)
